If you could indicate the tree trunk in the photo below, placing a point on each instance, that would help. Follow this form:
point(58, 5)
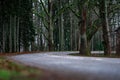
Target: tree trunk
point(50, 26)
point(118, 34)
point(10, 35)
point(83, 36)
point(17, 37)
point(15, 33)
point(118, 41)
point(61, 45)
point(71, 32)
point(105, 27)
point(3, 38)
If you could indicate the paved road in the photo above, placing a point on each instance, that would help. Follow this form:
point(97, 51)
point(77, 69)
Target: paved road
point(76, 68)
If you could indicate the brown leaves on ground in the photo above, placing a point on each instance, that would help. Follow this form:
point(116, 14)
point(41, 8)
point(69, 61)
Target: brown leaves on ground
point(21, 71)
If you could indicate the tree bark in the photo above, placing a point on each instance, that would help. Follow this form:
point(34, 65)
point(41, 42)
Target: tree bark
point(105, 27)
point(83, 36)
point(118, 41)
point(17, 37)
point(61, 28)
point(15, 33)
point(10, 35)
point(50, 26)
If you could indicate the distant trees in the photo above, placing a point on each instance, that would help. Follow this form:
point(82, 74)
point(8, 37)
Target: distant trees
point(27, 32)
point(16, 25)
point(57, 25)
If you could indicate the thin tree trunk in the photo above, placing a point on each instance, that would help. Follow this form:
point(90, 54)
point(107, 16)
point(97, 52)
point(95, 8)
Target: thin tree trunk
point(118, 35)
point(17, 38)
point(71, 32)
point(3, 42)
point(10, 35)
point(62, 33)
point(41, 37)
point(14, 33)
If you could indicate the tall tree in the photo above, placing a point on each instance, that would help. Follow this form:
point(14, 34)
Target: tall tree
point(50, 25)
point(83, 35)
point(105, 27)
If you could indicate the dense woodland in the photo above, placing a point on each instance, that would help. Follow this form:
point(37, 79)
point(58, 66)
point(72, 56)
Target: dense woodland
point(60, 25)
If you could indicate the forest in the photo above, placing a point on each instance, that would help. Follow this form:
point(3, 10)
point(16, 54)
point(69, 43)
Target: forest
point(60, 25)
point(59, 39)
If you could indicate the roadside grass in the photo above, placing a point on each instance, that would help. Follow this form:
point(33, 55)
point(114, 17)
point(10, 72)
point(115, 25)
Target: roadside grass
point(13, 71)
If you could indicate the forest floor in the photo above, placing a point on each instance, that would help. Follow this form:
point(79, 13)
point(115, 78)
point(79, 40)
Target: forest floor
point(13, 71)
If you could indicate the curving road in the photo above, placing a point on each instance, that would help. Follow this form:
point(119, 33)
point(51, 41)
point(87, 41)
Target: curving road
point(76, 68)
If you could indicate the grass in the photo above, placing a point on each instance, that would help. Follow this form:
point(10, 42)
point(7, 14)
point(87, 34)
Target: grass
point(13, 71)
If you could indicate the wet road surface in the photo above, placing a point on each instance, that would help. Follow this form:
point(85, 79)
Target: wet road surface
point(74, 67)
